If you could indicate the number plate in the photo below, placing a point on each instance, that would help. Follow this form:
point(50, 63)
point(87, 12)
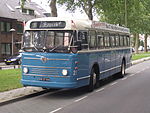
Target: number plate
point(44, 79)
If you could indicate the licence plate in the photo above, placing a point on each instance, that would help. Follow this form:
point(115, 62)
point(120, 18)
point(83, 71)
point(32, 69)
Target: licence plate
point(44, 79)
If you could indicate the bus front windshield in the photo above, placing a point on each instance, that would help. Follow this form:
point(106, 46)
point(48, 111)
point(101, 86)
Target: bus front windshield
point(49, 41)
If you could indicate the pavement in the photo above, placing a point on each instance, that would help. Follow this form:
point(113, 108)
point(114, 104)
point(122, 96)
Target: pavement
point(21, 92)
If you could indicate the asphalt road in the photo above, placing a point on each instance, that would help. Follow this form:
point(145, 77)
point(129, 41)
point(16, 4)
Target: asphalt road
point(130, 94)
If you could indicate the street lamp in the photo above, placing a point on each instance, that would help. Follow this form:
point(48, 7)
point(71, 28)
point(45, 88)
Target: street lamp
point(12, 40)
point(125, 8)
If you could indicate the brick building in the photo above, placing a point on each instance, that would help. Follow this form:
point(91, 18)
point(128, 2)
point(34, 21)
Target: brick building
point(13, 16)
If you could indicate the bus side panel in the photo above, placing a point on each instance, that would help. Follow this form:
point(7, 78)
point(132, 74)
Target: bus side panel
point(101, 62)
point(113, 62)
point(107, 63)
point(83, 69)
point(128, 57)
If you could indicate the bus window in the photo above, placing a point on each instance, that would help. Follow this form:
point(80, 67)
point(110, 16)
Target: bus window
point(82, 35)
point(107, 40)
point(121, 40)
point(113, 41)
point(92, 40)
point(125, 41)
point(128, 41)
point(38, 38)
point(117, 40)
point(50, 38)
point(100, 39)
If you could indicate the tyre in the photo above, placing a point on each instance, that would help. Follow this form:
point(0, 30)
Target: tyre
point(123, 68)
point(94, 80)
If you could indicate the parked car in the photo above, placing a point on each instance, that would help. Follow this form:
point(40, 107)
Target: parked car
point(141, 48)
point(15, 60)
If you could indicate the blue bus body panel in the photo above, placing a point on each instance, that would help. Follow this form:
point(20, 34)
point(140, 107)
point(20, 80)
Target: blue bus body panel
point(49, 73)
point(45, 69)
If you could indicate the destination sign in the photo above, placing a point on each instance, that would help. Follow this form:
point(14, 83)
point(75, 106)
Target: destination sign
point(47, 24)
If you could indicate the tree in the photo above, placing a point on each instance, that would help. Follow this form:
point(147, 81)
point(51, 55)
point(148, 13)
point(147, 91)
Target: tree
point(136, 12)
point(88, 6)
point(53, 8)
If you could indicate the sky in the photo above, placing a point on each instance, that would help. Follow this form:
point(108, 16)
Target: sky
point(61, 10)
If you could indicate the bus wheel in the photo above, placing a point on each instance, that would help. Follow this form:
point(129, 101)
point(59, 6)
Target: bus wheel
point(123, 68)
point(93, 80)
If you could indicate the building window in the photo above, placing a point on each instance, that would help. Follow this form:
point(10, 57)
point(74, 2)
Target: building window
point(5, 26)
point(20, 28)
point(6, 49)
point(24, 11)
point(31, 12)
point(28, 11)
point(2, 26)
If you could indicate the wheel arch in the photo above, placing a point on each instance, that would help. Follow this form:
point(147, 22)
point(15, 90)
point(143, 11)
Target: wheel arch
point(96, 67)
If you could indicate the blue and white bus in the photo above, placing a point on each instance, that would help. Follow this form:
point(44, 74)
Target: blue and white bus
point(67, 53)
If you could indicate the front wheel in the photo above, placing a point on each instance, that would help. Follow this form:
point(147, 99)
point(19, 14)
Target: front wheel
point(94, 80)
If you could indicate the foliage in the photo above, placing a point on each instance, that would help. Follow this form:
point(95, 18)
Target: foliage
point(22, 3)
point(86, 5)
point(113, 11)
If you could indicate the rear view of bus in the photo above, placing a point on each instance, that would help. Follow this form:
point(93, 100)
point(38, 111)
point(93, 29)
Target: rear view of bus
point(63, 53)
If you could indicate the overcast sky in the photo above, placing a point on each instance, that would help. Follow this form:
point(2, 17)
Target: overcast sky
point(61, 10)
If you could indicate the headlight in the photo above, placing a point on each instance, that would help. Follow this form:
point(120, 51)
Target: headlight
point(64, 72)
point(13, 59)
point(25, 70)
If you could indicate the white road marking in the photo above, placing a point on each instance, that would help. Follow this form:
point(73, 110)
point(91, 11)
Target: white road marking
point(114, 83)
point(55, 110)
point(80, 99)
point(124, 78)
point(100, 90)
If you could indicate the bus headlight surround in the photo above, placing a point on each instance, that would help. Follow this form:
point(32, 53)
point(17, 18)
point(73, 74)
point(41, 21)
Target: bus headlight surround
point(64, 72)
point(25, 70)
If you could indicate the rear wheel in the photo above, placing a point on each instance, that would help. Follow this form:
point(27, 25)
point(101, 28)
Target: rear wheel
point(123, 68)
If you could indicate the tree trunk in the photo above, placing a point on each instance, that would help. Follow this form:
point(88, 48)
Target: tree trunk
point(53, 8)
point(145, 42)
point(89, 13)
point(136, 42)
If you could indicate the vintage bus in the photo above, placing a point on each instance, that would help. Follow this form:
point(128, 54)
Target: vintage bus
point(69, 53)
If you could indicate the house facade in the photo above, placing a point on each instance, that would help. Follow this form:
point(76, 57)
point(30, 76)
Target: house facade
point(12, 19)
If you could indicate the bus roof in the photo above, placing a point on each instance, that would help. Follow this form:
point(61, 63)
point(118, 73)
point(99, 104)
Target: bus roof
point(56, 23)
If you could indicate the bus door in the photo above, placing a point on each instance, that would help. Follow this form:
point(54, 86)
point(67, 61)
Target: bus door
point(83, 56)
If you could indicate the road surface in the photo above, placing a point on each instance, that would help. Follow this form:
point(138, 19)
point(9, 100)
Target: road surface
point(130, 94)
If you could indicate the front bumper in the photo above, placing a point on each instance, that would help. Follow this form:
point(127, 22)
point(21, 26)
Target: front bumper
point(49, 84)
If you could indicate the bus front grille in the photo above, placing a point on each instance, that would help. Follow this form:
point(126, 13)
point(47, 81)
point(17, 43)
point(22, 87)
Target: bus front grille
point(44, 71)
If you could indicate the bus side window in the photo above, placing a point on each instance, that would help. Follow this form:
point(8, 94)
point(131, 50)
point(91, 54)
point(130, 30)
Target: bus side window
point(100, 39)
point(92, 40)
point(107, 40)
point(128, 41)
point(121, 40)
point(125, 41)
point(82, 35)
point(113, 40)
point(117, 41)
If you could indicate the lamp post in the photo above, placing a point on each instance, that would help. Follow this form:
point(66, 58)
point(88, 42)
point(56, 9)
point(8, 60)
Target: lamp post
point(125, 12)
point(12, 40)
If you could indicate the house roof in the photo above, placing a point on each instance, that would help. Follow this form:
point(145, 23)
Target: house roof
point(12, 9)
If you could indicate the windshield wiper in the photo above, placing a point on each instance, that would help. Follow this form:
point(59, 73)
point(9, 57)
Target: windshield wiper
point(55, 48)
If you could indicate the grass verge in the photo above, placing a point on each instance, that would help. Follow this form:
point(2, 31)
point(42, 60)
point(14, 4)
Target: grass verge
point(140, 55)
point(10, 79)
